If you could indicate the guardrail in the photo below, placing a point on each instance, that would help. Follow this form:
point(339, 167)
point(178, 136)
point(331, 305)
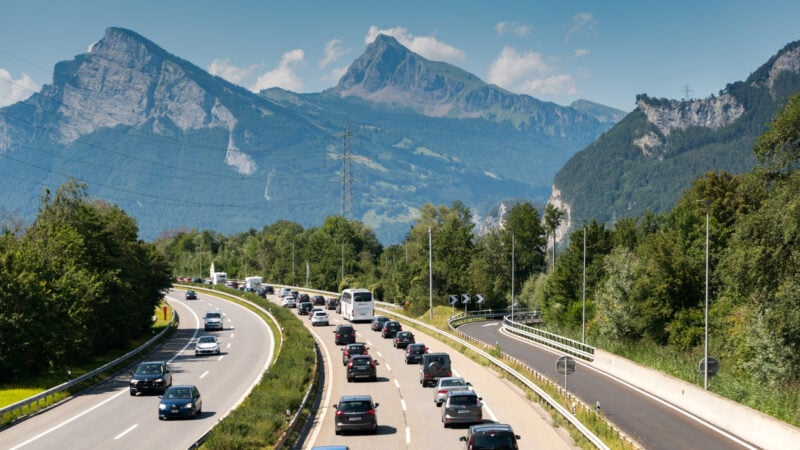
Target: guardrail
point(566, 345)
point(35, 403)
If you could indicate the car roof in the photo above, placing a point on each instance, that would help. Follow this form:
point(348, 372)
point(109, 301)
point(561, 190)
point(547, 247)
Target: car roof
point(153, 362)
point(485, 428)
point(355, 398)
point(461, 393)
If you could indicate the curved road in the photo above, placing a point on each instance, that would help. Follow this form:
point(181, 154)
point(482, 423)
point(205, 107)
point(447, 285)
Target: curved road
point(107, 416)
point(407, 415)
point(652, 423)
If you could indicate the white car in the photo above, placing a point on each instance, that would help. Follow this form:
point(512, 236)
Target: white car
point(446, 384)
point(319, 318)
point(284, 292)
point(206, 345)
point(289, 302)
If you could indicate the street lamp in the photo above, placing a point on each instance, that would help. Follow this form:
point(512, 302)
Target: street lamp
point(583, 321)
point(430, 273)
point(512, 276)
point(707, 203)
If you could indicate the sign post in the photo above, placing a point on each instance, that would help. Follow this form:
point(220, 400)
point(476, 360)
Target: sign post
point(565, 365)
point(453, 301)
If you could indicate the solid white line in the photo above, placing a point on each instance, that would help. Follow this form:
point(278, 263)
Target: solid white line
point(489, 410)
point(490, 325)
point(70, 420)
point(204, 375)
point(126, 431)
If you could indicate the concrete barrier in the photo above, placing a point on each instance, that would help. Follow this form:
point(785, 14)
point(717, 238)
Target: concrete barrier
point(753, 426)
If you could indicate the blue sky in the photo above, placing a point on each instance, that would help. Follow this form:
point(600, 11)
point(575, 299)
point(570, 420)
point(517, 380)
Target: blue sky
point(559, 51)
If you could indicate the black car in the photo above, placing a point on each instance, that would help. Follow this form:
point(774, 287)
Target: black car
point(434, 366)
point(491, 436)
point(390, 328)
point(402, 339)
point(303, 297)
point(377, 323)
point(414, 352)
point(344, 334)
point(359, 348)
point(180, 401)
point(303, 308)
point(355, 413)
point(331, 302)
point(191, 295)
point(318, 300)
point(362, 366)
point(150, 376)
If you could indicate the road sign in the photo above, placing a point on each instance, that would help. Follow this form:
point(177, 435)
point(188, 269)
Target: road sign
point(453, 299)
point(565, 365)
point(713, 366)
point(465, 298)
point(478, 298)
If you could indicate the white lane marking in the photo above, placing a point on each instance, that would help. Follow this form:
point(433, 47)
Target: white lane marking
point(204, 375)
point(403, 404)
point(379, 354)
point(220, 357)
point(389, 368)
point(489, 410)
point(232, 335)
point(76, 417)
point(396, 383)
point(369, 343)
point(456, 374)
point(490, 325)
point(126, 431)
point(408, 435)
point(229, 345)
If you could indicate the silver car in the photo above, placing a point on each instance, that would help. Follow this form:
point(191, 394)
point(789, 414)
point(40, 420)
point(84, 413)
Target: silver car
point(319, 318)
point(462, 407)
point(446, 384)
point(206, 345)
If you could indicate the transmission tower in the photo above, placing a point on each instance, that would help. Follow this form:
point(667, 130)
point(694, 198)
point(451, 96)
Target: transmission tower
point(347, 175)
point(687, 92)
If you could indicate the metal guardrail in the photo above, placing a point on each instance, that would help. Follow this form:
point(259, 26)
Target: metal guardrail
point(566, 345)
point(35, 403)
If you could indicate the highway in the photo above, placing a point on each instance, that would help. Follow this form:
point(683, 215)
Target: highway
point(106, 416)
point(407, 416)
point(652, 423)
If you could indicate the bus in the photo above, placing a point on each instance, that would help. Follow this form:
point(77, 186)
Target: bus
point(357, 305)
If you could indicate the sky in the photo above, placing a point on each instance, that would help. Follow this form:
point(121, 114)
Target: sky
point(603, 51)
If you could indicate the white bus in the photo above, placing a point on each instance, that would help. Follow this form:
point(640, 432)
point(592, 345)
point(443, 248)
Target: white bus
point(357, 305)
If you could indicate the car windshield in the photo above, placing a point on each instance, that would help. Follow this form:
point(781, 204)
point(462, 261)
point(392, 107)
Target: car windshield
point(453, 383)
point(360, 361)
point(149, 368)
point(354, 349)
point(463, 400)
point(206, 340)
point(495, 441)
point(212, 315)
point(353, 406)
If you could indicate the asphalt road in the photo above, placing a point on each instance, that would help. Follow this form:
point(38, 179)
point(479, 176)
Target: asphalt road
point(652, 423)
point(106, 416)
point(407, 416)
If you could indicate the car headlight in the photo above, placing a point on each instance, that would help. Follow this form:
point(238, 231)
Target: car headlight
point(188, 405)
point(159, 380)
point(162, 406)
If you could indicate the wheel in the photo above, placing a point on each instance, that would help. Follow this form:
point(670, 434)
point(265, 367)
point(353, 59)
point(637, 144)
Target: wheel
point(133, 392)
point(349, 380)
point(337, 431)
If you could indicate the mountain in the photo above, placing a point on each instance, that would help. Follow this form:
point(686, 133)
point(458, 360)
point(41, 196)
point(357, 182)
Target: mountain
point(654, 153)
point(177, 147)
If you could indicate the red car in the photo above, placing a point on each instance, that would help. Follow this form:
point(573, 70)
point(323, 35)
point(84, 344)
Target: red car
point(358, 348)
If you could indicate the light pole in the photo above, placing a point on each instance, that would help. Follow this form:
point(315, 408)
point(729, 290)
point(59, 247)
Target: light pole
point(583, 321)
point(707, 203)
point(512, 275)
point(430, 273)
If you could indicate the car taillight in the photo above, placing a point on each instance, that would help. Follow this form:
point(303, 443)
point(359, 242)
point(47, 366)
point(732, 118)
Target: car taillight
point(370, 412)
point(372, 363)
point(448, 374)
point(350, 365)
point(339, 413)
point(442, 391)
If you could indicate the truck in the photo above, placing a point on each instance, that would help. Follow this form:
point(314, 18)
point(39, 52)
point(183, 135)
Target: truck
point(219, 277)
point(252, 283)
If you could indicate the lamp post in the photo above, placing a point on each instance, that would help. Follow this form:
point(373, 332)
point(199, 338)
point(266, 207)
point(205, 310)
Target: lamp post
point(430, 273)
point(583, 320)
point(512, 275)
point(707, 203)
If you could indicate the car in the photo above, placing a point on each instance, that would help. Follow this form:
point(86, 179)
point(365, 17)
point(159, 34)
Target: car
point(212, 320)
point(303, 308)
point(445, 384)
point(355, 413)
point(313, 311)
point(284, 292)
point(180, 401)
point(414, 352)
point(462, 406)
point(303, 298)
point(344, 334)
point(288, 302)
point(318, 300)
point(362, 366)
point(331, 302)
point(197, 280)
point(377, 322)
point(206, 345)
point(490, 436)
point(268, 289)
point(296, 295)
point(434, 366)
point(150, 376)
point(319, 318)
point(390, 328)
point(357, 348)
point(191, 295)
point(402, 339)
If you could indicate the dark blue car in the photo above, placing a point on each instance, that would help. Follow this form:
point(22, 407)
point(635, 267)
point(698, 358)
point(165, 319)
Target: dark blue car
point(180, 401)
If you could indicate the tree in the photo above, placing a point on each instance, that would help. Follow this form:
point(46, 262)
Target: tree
point(552, 220)
point(778, 149)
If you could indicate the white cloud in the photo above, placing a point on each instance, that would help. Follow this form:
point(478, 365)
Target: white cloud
point(427, 46)
point(224, 69)
point(581, 52)
point(528, 73)
point(512, 28)
point(283, 76)
point(333, 51)
point(336, 74)
point(13, 91)
point(579, 21)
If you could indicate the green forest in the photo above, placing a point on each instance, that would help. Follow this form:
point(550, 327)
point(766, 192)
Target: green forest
point(77, 276)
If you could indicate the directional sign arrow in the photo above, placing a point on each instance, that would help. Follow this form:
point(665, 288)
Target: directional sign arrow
point(464, 298)
point(453, 299)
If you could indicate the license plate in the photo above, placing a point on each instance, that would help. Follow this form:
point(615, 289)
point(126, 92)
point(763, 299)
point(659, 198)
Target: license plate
point(355, 419)
point(463, 411)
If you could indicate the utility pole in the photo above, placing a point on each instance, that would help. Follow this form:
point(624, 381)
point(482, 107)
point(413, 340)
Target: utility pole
point(346, 207)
